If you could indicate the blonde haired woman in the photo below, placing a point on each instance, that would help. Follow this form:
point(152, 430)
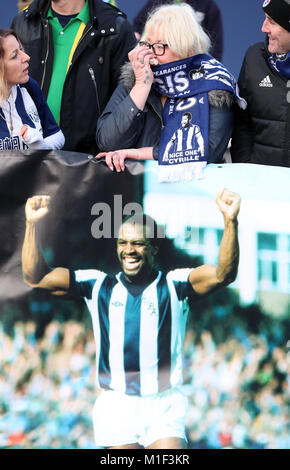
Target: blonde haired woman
point(25, 119)
point(178, 25)
point(172, 56)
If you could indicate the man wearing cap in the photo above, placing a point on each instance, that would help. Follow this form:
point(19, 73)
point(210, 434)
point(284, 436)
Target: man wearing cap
point(262, 131)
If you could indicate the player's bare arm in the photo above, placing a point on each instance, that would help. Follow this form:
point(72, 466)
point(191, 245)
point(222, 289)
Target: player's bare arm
point(36, 272)
point(207, 278)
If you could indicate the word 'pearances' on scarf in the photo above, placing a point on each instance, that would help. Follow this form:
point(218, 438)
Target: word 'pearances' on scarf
point(184, 144)
point(280, 63)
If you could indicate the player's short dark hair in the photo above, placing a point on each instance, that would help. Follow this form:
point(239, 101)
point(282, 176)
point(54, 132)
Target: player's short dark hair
point(154, 232)
point(187, 114)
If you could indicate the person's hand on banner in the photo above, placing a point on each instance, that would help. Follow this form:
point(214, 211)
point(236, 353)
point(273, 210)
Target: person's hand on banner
point(115, 160)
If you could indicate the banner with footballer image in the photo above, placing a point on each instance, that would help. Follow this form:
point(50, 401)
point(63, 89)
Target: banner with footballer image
point(236, 371)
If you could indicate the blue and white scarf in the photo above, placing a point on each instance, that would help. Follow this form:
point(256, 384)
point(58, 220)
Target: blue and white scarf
point(280, 63)
point(184, 144)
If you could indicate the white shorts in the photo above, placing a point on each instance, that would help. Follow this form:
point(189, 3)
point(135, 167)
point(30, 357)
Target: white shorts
point(127, 419)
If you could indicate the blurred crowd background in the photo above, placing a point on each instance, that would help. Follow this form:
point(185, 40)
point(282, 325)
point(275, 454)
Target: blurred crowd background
point(236, 372)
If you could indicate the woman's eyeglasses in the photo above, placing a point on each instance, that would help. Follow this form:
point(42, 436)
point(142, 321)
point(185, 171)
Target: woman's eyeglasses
point(157, 48)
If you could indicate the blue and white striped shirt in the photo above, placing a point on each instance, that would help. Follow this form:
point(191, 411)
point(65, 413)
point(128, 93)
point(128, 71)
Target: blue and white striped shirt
point(139, 335)
point(30, 108)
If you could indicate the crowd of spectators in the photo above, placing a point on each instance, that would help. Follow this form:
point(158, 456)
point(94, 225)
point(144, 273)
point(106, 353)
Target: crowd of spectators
point(47, 387)
point(238, 384)
point(238, 394)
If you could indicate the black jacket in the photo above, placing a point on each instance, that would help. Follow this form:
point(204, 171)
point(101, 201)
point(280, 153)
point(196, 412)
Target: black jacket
point(262, 132)
point(94, 72)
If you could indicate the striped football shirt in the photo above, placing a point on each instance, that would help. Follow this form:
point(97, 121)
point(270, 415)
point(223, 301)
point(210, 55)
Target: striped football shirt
point(139, 334)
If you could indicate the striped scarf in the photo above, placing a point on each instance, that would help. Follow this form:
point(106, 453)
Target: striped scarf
point(184, 144)
point(280, 63)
